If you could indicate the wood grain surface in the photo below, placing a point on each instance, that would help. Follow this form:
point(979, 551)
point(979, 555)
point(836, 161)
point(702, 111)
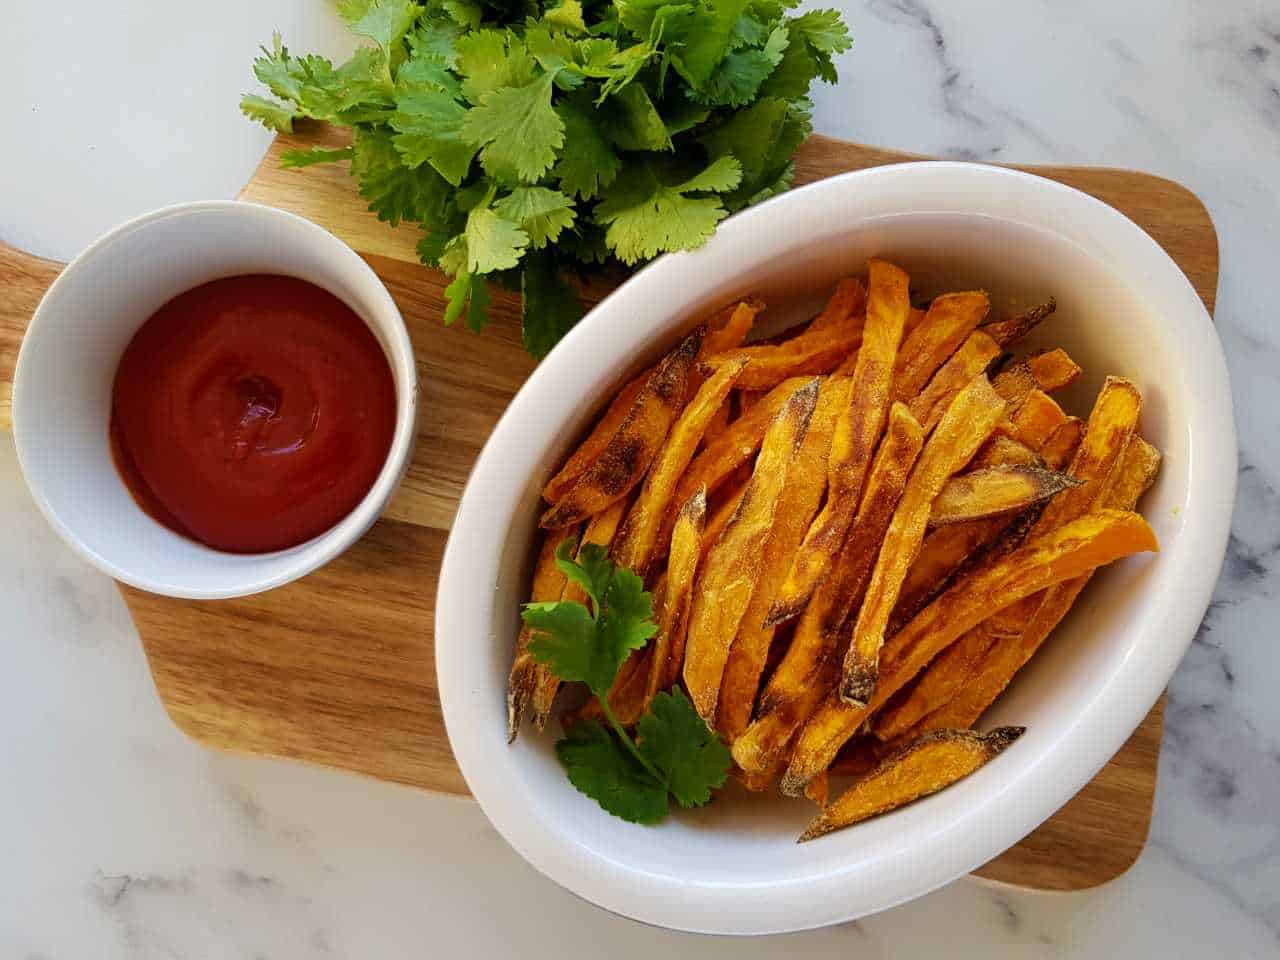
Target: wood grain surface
point(337, 669)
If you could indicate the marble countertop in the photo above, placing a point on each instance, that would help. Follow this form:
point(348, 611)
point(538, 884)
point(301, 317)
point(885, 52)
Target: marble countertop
point(121, 838)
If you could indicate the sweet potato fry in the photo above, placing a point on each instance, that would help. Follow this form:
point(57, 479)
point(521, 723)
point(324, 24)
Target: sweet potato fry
point(767, 739)
point(732, 566)
point(1008, 650)
point(1063, 443)
point(630, 451)
point(849, 300)
point(974, 356)
point(1061, 554)
point(724, 512)
point(1037, 418)
point(808, 353)
point(1045, 371)
point(818, 632)
point(548, 584)
point(746, 399)
point(719, 421)
point(737, 445)
point(995, 490)
point(947, 324)
point(673, 621)
point(1002, 451)
point(856, 434)
point(938, 684)
point(928, 765)
point(806, 482)
point(639, 535)
point(969, 420)
point(1014, 328)
point(604, 431)
point(730, 331)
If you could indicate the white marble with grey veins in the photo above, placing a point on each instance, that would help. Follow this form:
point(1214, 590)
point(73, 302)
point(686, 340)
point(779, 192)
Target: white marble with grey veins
point(120, 838)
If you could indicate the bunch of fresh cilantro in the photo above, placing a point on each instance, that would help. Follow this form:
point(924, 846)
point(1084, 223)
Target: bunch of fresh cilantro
point(673, 752)
point(530, 139)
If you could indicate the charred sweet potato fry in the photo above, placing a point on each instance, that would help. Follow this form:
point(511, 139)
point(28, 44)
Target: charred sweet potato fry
point(947, 324)
point(849, 300)
point(629, 452)
point(924, 767)
point(806, 482)
point(1014, 328)
point(808, 353)
point(1037, 418)
point(604, 431)
point(1060, 554)
point(673, 620)
point(995, 490)
point(548, 584)
point(639, 535)
point(730, 331)
point(1011, 645)
point(764, 744)
point(937, 685)
point(974, 356)
point(1046, 371)
point(732, 566)
point(966, 425)
point(601, 530)
point(817, 633)
point(856, 434)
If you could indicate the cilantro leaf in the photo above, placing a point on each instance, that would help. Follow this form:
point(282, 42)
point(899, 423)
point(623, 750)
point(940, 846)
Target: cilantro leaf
point(518, 128)
point(677, 741)
point(436, 39)
point(307, 158)
point(736, 81)
point(646, 217)
point(600, 767)
point(470, 293)
point(549, 309)
point(385, 22)
point(567, 17)
point(632, 122)
point(492, 242)
point(490, 60)
point(592, 163)
point(269, 113)
point(564, 638)
point(428, 127)
point(703, 39)
point(823, 30)
point(394, 191)
point(540, 212)
point(593, 570)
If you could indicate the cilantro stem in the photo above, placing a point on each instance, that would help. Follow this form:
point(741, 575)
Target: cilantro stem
point(626, 739)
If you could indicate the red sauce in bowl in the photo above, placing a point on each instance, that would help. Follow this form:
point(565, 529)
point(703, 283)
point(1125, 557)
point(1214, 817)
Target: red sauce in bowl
point(252, 413)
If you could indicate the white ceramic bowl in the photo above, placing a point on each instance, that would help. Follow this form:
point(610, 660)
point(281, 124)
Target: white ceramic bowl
point(68, 360)
point(734, 866)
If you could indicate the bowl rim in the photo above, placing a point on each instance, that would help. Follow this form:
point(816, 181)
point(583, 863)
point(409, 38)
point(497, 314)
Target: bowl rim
point(999, 819)
point(311, 554)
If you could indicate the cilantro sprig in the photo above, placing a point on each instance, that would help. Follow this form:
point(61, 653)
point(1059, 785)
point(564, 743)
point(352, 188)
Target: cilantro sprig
point(535, 138)
point(673, 753)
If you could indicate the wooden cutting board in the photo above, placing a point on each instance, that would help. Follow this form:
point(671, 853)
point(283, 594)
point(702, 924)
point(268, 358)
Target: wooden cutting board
point(338, 669)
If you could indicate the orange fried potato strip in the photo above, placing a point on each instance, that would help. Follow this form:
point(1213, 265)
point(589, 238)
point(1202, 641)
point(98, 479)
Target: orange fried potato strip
point(1009, 653)
point(928, 765)
point(732, 566)
point(974, 356)
point(673, 622)
point(548, 584)
point(854, 443)
point(849, 300)
point(730, 331)
point(1046, 371)
point(806, 482)
point(818, 632)
point(947, 324)
point(1063, 443)
point(1008, 330)
point(968, 422)
point(995, 490)
point(1060, 554)
point(600, 530)
point(807, 353)
point(604, 431)
point(630, 451)
point(639, 535)
point(1037, 418)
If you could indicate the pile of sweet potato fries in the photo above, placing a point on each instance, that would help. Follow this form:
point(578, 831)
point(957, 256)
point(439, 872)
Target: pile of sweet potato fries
point(856, 533)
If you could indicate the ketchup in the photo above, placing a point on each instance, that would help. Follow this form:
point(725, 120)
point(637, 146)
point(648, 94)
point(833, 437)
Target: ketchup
point(252, 413)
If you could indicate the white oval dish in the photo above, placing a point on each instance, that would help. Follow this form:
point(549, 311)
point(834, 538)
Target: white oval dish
point(734, 866)
point(62, 387)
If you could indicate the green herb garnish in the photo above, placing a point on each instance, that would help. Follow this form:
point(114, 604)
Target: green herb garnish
point(531, 138)
point(673, 753)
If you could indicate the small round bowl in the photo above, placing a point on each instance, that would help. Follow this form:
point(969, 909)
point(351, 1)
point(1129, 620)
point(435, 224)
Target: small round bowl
point(734, 866)
point(62, 387)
